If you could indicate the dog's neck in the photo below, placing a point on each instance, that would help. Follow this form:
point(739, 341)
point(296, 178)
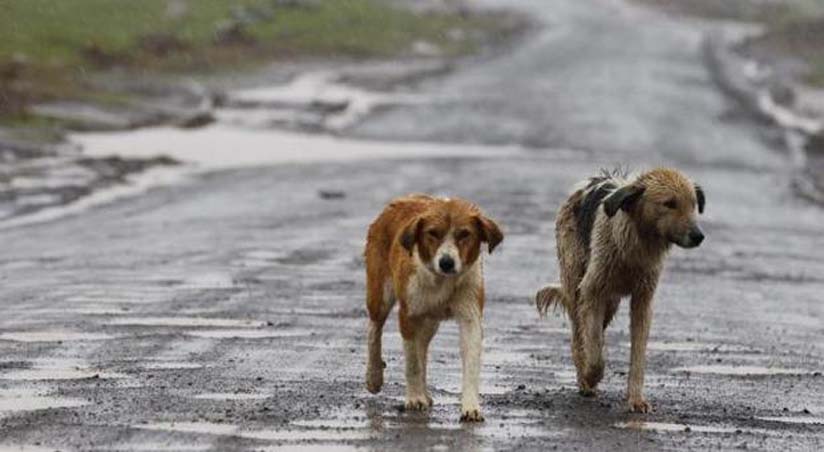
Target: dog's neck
point(635, 244)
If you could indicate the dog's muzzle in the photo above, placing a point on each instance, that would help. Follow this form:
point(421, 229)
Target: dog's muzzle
point(446, 265)
point(691, 239)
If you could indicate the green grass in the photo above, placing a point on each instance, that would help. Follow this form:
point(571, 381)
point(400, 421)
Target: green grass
point(48, 47)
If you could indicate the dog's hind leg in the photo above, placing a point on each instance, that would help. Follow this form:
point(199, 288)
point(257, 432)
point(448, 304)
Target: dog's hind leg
point(380, 299)
point(591, 315)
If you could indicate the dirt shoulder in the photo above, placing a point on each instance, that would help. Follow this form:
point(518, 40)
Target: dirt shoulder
point(57, 52)
point(130, 65)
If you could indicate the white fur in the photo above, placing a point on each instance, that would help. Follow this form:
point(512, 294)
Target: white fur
point(438, 297)
point(448, 248)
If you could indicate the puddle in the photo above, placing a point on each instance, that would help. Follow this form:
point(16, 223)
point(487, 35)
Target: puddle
point(231, 396)
point(263, 435)
point(246, 334)
point(740, 370)
point(186, 322)
point(346, 104)
point(694, 347)
point(672, 427)
point(103, 299)
point(519, 430)
point(339, 424)
point(54, 336)
point(208, 280)
point(499, 357)
point(164, 446)
point(171, 366)
point(136, 184)
point(235, 147)
point(26, 448)
point(58, 370)
point(14, 400)
point(806, 420)
point(258, 258)
point(566, 376)
point(191, 427)
point(310, 448)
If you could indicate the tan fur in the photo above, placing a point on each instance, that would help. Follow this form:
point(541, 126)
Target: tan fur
point(403, 250)
point(624, 258)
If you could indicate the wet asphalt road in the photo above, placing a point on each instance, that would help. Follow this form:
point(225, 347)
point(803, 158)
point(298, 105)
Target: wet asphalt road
point(227, 313)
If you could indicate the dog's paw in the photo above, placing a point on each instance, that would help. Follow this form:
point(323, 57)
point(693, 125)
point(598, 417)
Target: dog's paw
point(587, 392)
point(418, 403)
point(429, 398)
point(639, 405)
point(471, 414)
point(374, 380)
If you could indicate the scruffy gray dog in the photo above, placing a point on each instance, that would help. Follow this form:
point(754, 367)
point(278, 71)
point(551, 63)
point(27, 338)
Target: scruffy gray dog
point(612, 237)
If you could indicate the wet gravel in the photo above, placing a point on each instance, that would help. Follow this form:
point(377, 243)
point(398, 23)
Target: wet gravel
point(227, 313)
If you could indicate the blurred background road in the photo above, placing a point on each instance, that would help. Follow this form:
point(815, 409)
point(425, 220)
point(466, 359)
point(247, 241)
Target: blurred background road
point(212, 299)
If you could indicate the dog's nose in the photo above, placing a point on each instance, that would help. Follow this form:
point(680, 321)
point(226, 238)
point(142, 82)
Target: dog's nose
point(696, 237)
point(447, 264)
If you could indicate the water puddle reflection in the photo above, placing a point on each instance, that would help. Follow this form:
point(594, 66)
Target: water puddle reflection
point(15, 400)
point(53, 336)
point(58, 369)
point(740, 370)
point(186, 322)
point(246, 334)
point(673, 427)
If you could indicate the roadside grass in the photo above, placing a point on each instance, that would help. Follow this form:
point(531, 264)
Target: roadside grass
point(49, 48)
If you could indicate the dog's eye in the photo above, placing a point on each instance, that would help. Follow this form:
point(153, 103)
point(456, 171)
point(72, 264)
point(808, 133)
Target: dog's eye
point(671, 204)
point(462, 234)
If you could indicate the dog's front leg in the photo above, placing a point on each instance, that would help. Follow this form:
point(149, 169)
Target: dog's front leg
point(471, 331)
point(640, 321)
point(416, 398)
point(591, 315)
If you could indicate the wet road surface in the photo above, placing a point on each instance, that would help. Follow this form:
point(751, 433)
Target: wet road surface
point(227, 313)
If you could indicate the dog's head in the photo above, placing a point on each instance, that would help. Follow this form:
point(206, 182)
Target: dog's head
point(662, 202)
point(449, 235)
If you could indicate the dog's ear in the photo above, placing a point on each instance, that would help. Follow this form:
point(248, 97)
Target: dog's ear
point(489, 231)
point(699, 195)
point(623, 198)
point(410, 234)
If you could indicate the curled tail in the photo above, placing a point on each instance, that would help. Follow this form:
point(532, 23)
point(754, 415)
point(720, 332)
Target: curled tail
point(550, 296)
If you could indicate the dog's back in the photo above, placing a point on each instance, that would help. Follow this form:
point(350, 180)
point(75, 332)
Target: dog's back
point(573, 237)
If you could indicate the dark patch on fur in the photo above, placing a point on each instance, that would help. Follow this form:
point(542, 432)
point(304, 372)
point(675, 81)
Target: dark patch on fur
point(587, 209)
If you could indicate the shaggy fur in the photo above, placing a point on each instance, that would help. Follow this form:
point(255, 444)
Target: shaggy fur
point(612, 237)
point(425, 253)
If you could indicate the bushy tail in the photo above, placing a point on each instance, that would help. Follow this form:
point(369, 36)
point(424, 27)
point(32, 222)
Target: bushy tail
point(550, 296)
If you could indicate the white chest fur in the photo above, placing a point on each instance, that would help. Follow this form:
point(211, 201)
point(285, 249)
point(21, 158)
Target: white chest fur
point(429, 294)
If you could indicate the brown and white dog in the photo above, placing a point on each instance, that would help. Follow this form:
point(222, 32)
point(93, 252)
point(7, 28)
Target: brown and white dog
point(612, 237)
point(426, 253)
